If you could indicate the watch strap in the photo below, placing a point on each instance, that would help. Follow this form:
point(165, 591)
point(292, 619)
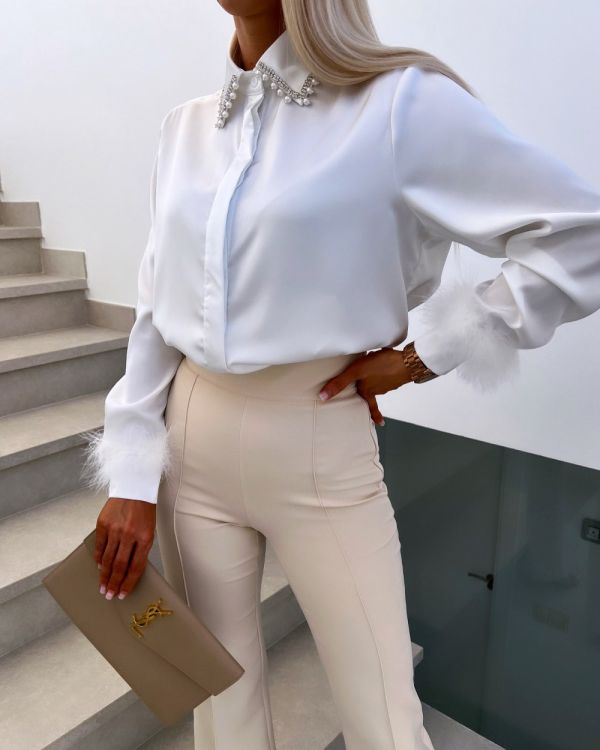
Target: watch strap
point(419, 372)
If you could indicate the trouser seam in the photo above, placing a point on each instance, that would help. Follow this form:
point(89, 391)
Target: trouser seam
point(250, 523)
point(349, 567)
point(178, 491)
point(263, 673)
point(175, 502)
point(257, 602)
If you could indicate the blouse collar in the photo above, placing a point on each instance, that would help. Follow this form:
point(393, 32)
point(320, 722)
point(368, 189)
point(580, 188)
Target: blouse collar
point(279, 68)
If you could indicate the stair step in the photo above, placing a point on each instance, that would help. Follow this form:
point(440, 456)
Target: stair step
point(20, 255)
point(42, 306)
point(304, 715)
point(60, 364)
point(27, 284)
point(31, 543)
point(34, 433)
point(444, 732)
point(58, 692)
point(20, 213)
point(35, 540)
point(18, 233)
point(56, 687)
point(447, 734)
point(31, 349)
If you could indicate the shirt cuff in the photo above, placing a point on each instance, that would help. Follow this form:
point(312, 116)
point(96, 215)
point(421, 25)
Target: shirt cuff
point(127, 468)
point(461, 333)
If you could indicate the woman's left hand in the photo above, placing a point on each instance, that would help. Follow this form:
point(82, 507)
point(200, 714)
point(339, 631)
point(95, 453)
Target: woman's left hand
point(376, 372)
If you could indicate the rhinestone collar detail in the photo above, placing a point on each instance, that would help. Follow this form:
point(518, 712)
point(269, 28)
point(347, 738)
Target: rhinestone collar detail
point(228, 92)
point(269, 74)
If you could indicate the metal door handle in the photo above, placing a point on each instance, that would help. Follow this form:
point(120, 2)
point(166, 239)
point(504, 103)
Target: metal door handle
point(489, 579)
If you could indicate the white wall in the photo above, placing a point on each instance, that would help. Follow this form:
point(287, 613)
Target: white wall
point(535, 65)
point(84, 85)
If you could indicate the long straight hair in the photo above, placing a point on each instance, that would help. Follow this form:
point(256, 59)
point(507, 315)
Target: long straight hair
point(337, 41)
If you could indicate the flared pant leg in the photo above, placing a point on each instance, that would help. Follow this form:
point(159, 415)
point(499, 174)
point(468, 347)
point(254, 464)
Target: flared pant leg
point(263, 458)
point(214, 559)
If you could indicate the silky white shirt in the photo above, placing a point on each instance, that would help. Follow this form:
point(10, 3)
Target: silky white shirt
point(297, 231)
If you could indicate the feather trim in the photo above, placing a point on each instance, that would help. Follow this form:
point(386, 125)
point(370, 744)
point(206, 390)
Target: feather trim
point(108, 458)
point(468, 332)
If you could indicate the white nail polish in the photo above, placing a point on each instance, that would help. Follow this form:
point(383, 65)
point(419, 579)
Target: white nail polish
point(103, 589)
point(109, 594)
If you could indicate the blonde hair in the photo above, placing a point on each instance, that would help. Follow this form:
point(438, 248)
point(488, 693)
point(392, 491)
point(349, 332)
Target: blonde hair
point(337, 41)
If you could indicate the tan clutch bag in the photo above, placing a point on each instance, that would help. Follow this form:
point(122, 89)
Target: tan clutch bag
point(151, 637)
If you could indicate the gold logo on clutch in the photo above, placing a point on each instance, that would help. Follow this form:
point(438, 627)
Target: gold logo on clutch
point(152, 612)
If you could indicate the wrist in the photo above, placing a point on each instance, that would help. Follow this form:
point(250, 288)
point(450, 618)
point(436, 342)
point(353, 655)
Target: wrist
point(417, 369)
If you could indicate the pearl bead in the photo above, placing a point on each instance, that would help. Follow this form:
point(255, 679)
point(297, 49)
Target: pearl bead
point(277, 83)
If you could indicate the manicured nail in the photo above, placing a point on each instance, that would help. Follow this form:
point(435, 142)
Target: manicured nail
point(110, 594)
point(100, 566)
point(122, 594)
point(102, 589)
point(323, 395)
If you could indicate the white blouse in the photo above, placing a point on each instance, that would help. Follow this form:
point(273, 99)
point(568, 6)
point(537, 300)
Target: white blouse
point(292, 220)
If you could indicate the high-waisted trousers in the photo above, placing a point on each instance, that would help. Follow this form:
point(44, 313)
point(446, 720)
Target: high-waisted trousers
point(258, 456)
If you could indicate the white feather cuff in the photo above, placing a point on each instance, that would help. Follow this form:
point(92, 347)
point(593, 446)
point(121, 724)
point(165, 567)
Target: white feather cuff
point(461, 333)
point(128, 466)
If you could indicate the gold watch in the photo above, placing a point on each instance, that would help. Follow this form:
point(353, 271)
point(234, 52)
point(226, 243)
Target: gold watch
point(419, 372)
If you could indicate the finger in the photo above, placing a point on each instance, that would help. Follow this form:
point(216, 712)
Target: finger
point(376, 415)
point(119, 567)
point(136, 568)
point(108, 556)
point(342, 379)
point(101, 539)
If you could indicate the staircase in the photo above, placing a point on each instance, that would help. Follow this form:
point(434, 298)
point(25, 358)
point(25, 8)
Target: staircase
point(60, 352)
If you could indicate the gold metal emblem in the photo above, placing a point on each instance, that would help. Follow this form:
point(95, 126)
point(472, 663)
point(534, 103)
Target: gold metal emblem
point(152, 612)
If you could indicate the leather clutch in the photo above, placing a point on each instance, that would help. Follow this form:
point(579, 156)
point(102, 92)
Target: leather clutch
point(152, 638)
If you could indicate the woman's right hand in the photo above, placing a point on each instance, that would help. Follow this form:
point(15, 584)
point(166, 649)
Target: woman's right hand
point(124, 536)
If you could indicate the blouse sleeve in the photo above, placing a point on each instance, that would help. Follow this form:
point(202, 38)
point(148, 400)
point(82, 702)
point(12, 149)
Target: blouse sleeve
point(469, 179)
point(132, 453)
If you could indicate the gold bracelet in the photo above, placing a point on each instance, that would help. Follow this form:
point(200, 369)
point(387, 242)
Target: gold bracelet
point(419, 372)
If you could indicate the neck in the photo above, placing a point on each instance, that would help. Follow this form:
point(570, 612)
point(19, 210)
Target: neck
point(254, 34)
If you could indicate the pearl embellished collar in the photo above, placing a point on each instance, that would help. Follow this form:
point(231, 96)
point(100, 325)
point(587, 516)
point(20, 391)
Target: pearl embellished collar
point(278, 66)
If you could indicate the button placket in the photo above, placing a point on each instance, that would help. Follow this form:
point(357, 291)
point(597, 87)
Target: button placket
point(218, 232)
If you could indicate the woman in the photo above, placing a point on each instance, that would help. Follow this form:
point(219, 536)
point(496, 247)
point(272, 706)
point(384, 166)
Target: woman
point(298, 213)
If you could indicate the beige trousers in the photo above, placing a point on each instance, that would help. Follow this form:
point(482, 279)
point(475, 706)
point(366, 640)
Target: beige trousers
point(258, 456)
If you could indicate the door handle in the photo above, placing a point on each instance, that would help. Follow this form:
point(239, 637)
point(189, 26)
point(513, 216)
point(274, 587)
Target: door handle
point(489, 579)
